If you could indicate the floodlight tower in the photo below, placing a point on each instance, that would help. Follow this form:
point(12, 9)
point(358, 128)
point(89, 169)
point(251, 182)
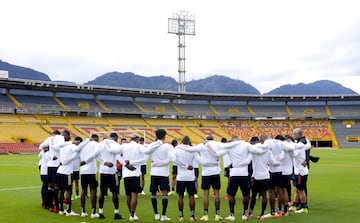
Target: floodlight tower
point(181, 24)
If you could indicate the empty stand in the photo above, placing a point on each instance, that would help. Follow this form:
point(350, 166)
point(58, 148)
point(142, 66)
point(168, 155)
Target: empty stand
point(17, 148)
point(315, 130)
point(347, 134)
point(28, 132)
point(227, 111)
point(274, 127)
point(266, 109)
point(345, 111)
point(158, 108)
point(9, 118)
point(120, 121)
point(244, 130)
point(196, 110)
point(307, 109)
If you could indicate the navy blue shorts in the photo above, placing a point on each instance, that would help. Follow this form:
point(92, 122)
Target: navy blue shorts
point(143, 169)
point(196, 172)
point(213, 181)
point(301, 182)
point(239, 181)
point(174, 170)
point(286, 181)
point(53, 176)
point(108, 181)
point(188, 185)
point(132, 185)
point(76, 175)
point(275, 180)
point(89, 180)
point(157, 182)
point(65, 182)
point(227, 172)
point(261, 185)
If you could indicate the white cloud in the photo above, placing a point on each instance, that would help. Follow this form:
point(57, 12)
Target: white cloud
point(264, 43)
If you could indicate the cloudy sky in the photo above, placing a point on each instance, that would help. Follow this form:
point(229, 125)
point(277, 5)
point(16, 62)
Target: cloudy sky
point(266, 43)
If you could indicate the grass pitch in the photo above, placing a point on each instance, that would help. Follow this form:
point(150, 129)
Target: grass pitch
point(334, 192)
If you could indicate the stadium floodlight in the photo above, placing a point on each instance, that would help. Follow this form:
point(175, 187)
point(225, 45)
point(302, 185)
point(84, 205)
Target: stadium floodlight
point(181, 24)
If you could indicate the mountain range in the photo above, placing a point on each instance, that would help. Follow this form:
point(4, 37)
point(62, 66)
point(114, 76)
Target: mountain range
point(212, 84)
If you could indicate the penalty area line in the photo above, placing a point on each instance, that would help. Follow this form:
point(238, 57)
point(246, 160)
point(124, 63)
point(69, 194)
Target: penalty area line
point(18, 188)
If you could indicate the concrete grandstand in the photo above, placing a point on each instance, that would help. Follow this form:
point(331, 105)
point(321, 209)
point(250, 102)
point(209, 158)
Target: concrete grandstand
point(31, 109)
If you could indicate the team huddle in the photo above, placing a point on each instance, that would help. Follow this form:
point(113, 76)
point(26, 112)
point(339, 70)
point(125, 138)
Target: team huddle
point(259, 167)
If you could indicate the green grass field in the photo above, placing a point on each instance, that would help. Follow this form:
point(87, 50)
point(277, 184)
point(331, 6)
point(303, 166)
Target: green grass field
point(334, 192)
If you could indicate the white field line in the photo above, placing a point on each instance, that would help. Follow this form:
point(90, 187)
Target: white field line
point(18, 188)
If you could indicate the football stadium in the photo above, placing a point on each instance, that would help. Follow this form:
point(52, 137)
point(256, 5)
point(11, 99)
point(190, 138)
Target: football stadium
point(31, 110)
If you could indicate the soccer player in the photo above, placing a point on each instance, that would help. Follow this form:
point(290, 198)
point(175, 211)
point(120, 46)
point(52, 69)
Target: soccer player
point(287, 171)
point(108, 177)
point(240, 155)
point(261, 176)
point(185, 178)
point(132, 158)
point(161, 155)
point(210, 174)
point(52, 156)
point(76, 176)
point(226, 164)
point(196, 173)
point(45, 201)
point(143, 168)
point(65, 171)
point(174, 173)
point(89, 153)
point(275, 183)
point(301, 172)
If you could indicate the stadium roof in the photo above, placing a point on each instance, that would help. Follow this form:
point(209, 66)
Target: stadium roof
point(14, 83)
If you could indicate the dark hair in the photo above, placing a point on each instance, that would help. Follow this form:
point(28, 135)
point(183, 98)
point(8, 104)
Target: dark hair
point(66, 132)
point(114, 136)
point(289, 137)
point(66, 135)
point(280, 137)
point(160, 133)
point(56, 132)
point(141, 139)
point(186, 140)
point(254, 139)
point(174, 142)
point(78, 138)
point(209, 137)
point(95, 137)
point(223, 139)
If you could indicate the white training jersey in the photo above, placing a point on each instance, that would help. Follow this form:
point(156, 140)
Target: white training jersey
point(240, 157)
point(161, 155)
point(132, 151)
point(184, 159)
point(88, 152)
point(260, 163)
point(43, 163)
point(287, 160)
point(277, 151)
point(226, 160)
point(108, 149)
point(299, 159)
point(53, 143)
point(209, 161)
point(76, 164)
point(67, 156)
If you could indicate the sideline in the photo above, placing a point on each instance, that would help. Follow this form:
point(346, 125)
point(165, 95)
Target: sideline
point(19, 188)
